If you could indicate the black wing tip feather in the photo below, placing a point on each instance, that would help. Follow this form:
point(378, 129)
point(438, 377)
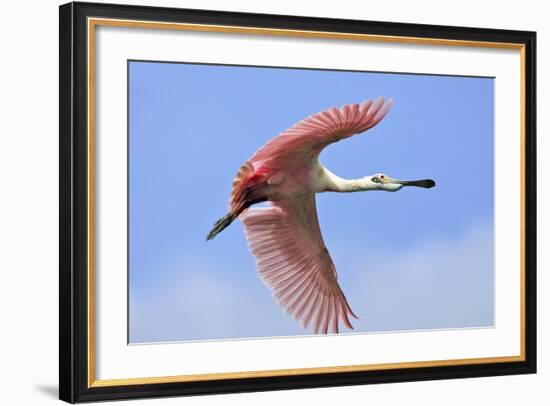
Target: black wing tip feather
point(220, 225)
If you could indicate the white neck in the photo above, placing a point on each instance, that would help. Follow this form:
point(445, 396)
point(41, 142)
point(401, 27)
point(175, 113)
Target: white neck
point(328, 181)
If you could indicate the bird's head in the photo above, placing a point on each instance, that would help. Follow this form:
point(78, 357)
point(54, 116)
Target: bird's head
point(381, 181)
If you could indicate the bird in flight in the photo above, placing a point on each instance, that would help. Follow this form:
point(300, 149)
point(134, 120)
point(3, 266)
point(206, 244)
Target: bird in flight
point(285, 237)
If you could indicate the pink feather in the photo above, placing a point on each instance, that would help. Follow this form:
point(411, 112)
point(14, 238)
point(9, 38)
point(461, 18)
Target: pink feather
point(285, 237)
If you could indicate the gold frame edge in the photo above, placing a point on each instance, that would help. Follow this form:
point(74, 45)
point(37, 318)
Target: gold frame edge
point(91, 25)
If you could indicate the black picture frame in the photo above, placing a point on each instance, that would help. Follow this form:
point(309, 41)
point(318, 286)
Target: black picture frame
point(73, 255)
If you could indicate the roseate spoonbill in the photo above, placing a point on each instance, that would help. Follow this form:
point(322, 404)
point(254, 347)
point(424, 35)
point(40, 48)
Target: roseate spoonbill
point(285, 237)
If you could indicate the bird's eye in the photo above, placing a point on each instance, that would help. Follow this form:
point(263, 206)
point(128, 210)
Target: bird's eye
point(381, 176)
point(376, 180)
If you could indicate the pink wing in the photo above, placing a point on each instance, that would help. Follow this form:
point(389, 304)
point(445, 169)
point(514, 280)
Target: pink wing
point(307, 138)
point(292, 259)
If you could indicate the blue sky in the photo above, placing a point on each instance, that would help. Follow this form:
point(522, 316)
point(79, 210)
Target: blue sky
point(415, 259)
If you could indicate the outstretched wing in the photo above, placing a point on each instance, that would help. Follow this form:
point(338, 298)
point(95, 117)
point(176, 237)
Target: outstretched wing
point(305, 140)
point(292, 259)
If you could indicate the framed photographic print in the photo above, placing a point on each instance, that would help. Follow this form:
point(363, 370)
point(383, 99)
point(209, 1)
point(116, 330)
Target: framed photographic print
point(255, 202)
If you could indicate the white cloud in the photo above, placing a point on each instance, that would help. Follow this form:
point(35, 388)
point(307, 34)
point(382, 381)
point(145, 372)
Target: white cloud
point(436, 284)
point(201, 300)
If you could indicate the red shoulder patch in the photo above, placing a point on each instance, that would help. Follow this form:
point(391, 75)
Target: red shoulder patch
point(246, 180)
point(239, 183)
